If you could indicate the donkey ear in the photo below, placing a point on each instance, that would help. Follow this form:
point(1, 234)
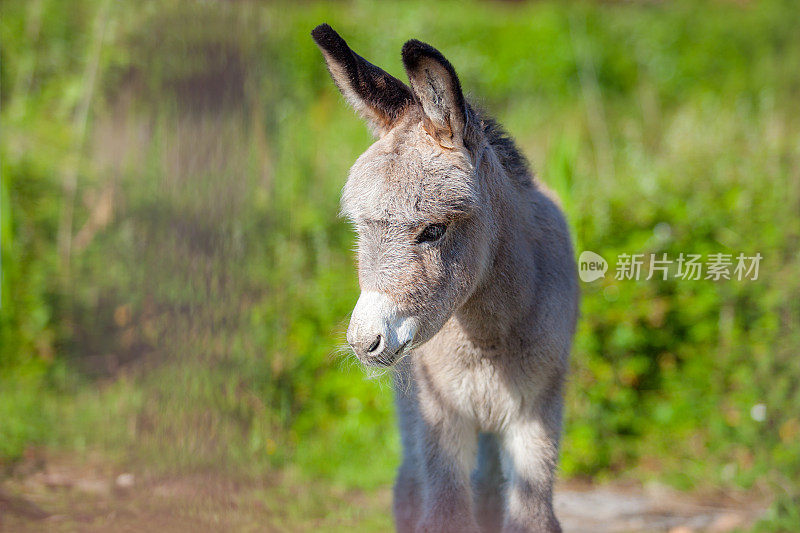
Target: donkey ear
point(378, 96)
point(438, 91)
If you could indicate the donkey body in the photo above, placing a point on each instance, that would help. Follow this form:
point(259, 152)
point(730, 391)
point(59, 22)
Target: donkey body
point(469, 290)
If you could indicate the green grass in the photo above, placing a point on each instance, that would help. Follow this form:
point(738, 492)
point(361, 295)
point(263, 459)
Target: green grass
point(196, 328)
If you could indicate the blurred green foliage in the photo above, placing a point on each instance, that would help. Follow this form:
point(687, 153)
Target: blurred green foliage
point(191, 317)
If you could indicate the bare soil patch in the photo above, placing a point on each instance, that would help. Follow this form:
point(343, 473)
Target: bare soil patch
point(90, 496)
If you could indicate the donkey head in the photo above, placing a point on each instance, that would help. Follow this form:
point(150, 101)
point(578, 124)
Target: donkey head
point(422, 214)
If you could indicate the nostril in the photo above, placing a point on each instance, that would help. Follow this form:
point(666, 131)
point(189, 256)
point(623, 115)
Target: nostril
point(375, 344)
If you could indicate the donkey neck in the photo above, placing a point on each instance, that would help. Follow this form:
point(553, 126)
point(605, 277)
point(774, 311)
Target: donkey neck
point(504, 296)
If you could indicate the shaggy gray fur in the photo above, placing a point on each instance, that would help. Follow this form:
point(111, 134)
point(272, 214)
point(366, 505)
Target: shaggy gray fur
point(488, 309)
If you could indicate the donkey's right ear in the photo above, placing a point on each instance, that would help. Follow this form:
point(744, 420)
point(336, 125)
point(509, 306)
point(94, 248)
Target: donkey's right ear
point(378, 96)
point(436, 87)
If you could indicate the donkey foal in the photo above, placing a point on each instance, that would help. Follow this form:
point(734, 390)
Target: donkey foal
point(468, 288)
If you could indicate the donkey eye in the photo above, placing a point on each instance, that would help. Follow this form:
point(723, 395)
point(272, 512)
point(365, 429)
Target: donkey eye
point(431, 233)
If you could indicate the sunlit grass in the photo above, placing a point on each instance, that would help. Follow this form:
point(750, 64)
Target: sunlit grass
point(201, 326)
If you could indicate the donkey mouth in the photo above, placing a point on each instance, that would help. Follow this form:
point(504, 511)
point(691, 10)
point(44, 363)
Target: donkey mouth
point(387, 359)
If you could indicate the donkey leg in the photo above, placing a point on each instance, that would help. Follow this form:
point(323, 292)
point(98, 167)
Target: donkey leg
point(487, 484)
point(406, 505)
point(531, 455)
point(406, 498)
point(447, 453)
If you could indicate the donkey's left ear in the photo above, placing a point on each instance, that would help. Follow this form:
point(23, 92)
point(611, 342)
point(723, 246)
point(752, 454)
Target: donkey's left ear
point(437, 89)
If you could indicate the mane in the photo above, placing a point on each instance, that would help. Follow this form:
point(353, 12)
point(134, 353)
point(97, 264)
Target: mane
point(516, 164)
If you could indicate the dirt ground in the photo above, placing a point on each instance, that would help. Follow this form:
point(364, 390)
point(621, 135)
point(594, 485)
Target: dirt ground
point(64, 497)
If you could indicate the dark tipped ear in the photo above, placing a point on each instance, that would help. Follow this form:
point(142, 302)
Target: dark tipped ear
point(376, 95)
point(438, 91)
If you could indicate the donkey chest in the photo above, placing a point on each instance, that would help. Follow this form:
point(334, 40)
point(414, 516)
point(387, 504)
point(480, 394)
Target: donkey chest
point(477, 389)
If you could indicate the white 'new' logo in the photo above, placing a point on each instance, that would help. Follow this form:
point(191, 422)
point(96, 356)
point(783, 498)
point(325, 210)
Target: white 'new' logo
point(591, 266)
